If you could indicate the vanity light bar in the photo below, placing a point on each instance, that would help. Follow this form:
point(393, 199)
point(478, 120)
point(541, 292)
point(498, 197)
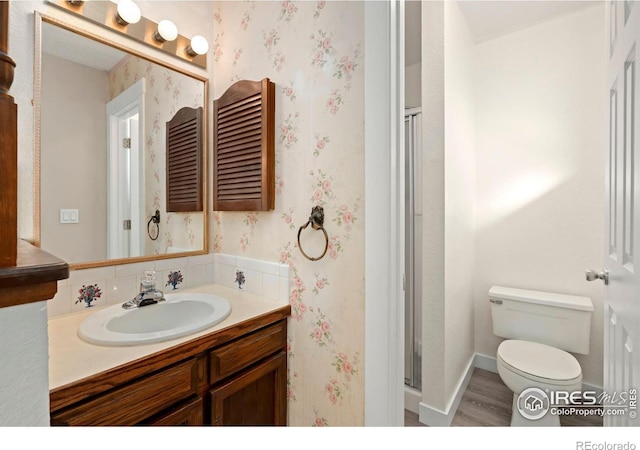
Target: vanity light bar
point(105, 13)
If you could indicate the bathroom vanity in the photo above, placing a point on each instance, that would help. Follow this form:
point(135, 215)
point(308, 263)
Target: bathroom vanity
point(234, 373)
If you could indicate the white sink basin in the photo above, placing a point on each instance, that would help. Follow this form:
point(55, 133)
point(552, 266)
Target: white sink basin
point(180, 315)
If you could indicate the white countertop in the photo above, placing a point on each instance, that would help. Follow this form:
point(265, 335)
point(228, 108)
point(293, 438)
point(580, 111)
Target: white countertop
point(72, 359)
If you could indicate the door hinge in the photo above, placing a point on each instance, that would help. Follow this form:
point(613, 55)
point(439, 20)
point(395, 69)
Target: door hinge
point(126, 224)
point(126, 142)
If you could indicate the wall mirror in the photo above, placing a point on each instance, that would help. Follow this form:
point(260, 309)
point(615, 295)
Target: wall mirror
point(100, 114)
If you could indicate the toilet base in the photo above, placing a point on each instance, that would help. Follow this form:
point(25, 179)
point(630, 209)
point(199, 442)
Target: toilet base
point(518, 420)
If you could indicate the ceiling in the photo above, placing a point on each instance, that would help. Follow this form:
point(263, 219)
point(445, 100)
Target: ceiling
point(489, 19)
point(57, 41)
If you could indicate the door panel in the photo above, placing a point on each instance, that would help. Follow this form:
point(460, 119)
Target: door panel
point(622, 294)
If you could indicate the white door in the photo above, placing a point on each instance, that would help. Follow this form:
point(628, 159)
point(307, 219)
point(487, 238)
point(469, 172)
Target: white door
point(622, 251)
point(125, 180)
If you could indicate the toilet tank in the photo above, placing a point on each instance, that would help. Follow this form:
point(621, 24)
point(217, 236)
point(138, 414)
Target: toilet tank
point(559, 320)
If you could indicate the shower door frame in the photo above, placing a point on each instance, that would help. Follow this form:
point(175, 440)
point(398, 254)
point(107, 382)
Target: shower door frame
point(413, 246)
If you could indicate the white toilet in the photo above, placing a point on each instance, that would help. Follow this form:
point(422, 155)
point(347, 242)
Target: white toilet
point(540, 329)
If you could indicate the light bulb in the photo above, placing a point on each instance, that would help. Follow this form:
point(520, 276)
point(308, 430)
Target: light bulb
point(198, 46)
point(127, 12)
point(167, 31)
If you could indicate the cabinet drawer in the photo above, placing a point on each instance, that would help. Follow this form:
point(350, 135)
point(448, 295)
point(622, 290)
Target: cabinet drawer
point(245, 351)
point(134, 402)
point(190, 413)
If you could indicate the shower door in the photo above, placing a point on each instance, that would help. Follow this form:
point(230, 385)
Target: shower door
point(413, 246)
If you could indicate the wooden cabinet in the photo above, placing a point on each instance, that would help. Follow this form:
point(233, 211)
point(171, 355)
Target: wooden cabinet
point(257, 397)
point(217, 380)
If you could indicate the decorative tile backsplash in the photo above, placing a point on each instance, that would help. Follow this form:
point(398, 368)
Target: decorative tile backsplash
point(257, 277)
point(117, 284)
point(240, 278)
point(89, 294)
point(174, 279)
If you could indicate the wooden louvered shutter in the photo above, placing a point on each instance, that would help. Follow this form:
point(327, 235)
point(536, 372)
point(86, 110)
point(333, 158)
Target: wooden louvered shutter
point(244, 147)
point(184, 161)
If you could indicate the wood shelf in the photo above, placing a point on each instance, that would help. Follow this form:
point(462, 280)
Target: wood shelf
point(34, 277)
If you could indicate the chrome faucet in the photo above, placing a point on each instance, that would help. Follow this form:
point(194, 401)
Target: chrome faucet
point(148, 294)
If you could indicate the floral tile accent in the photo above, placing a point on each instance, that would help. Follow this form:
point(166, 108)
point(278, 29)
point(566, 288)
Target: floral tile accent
point(174, 279)
point(240, 278)
point(89, 294)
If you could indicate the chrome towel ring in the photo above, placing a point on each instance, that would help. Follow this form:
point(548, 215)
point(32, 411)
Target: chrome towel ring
point(316, 220)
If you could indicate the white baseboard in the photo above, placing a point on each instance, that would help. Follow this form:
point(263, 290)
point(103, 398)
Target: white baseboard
point(412, 399)
point(485, 362)
point(434, 417)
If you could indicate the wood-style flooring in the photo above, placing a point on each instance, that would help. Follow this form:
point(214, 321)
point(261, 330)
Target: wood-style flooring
point(487, 402)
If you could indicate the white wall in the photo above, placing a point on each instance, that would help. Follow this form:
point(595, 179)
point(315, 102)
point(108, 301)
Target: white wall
point(412, 85)
point(541, 139)
point(448, 192)
point(433, 190)
point(73, 149)
point(460, 166)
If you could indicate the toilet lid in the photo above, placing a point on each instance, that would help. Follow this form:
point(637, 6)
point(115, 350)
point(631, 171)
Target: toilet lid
point(539, 360)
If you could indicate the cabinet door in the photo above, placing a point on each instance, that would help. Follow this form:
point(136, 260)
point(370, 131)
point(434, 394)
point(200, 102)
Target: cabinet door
point(255, 397)
point(191, 413)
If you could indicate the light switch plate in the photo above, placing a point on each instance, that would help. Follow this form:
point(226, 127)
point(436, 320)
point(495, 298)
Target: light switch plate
point(69, 216)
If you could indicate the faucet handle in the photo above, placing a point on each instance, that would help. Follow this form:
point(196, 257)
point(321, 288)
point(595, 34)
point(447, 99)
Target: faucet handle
point(148, 281)
point(149, 276)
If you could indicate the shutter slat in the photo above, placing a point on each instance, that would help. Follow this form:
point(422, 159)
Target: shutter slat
point(239, 147)
point(241, 138)
point(240, 164)
point(246, 129)
point(241, 169)
point(240, 115)
point(240, 156)
point(249, 122)
point(239, 106)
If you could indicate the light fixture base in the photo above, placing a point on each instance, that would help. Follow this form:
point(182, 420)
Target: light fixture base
point(158, 37)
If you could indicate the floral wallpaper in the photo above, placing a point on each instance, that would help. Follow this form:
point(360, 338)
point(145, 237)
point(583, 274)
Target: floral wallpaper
point(166, 92)
point(313, 52)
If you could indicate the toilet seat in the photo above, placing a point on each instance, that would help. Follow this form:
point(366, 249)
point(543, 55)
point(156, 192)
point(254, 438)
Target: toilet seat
point(539, 363)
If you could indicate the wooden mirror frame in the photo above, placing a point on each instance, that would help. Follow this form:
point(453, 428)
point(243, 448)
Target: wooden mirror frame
point(37, 102)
